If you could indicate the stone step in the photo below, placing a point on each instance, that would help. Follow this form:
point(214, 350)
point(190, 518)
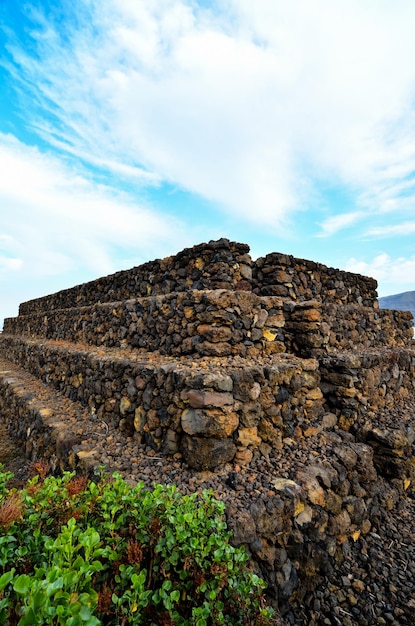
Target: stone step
point(286, 276)
point(53, 427)
point(210, 410)
point(357, 384)
point(46, 423)
point(218, 264)
point(215, 322)
point(221, 323)
point(217, 405)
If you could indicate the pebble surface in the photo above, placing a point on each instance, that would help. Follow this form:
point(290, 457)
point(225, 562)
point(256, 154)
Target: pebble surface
point(375, 584)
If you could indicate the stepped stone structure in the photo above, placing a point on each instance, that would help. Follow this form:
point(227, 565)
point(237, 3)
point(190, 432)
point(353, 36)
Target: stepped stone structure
point(218, 361)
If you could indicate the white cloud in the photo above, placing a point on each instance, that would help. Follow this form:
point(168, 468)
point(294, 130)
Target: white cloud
point(333, 224)
point(59, 228)
point(394, 274)
point(10, 264)
point(54, 220)
point(243, 107)
point(393, 230)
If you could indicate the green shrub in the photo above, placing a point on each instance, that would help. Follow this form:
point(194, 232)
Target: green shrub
point(79, 552)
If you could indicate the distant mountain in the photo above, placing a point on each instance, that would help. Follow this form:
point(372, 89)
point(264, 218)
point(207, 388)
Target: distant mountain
point(399, 302)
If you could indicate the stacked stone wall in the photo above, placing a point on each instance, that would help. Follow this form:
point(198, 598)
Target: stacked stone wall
point(175, 306)
point(231, 322)
point(221, 323)
point(314, 329)
point(207, 323)
point(210, 415)
point(355, 383)
point(356, 326)
point(217, 265)
point(298, 279)
point(228, 411)
point(210, 358)
point(296, 530)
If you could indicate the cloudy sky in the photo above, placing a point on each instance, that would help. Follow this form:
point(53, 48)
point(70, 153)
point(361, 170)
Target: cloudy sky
point(130, 129)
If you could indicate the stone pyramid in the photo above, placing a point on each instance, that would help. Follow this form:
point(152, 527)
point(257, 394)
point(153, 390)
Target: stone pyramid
point(215, 360)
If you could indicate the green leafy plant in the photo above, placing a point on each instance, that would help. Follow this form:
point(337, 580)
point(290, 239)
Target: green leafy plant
point(4, 478)
point(85, 552)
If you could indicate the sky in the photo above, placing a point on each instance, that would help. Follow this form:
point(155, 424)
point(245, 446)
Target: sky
point(130, 129)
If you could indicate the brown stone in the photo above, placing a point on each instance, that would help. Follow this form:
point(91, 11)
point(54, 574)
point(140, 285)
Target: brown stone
point(153, 421)
point(200, 453)
point(249, 437)
point(329, 421)
point(139, 419)
point(358, 585)
point(260, 318)
point(219, 382)
point(282, 277)
point(305, 516)
point(198, 399)
point(170, 442)
point(210, 348)
point(265, 551)
point(312, 431)
point(268, 432)
point(125, 404)
point(282, 484)
point(347, 456)
point(243, 455)
point(311, 315)
point(334, 502)
point(209, 422)
point(394, 439)
point(315, 492)
point(242, 525)
point(269, 519)
point(215, 334)
point(339, 525)
point(276, 320)
point(255, 391)
point(314, 394)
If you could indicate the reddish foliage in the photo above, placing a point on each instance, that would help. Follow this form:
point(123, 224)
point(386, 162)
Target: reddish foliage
point(77, 485)
point(40, 468)
point(134, 552)
point(11, 510)
point(104, 600)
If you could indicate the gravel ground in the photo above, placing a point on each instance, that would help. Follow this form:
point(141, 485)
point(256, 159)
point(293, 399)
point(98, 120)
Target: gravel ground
point(375, 583)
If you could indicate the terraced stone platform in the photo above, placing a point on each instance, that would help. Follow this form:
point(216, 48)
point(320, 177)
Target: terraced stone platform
point(260, 379)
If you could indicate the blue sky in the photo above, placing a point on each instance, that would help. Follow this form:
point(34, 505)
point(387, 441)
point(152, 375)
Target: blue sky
point(130, 129)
